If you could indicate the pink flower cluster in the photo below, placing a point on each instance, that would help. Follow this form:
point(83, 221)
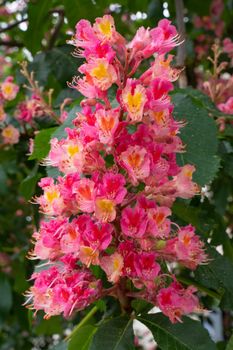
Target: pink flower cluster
point(226, 107)
point(29, 109)
point(207, 24)
point(8, 92)
point(64, 288)
point(112, 206)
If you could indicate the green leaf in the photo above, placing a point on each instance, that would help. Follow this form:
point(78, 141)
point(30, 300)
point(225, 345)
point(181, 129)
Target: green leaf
point(109, 159)
point(62, 63)
point(40, 67)
point(202, 100)
point(190, 215)
point(53, 172)
point(217, 275)
point(50, 326)
point(88, 9)
point(132, 128)
point(3, 181)
point(6, 295)
point(198, 7)
point(20, 277)
point(82, 338)
point(28, 185)
point(199, 135)
point(61, 346)
point(230, 344)
point(42, 144)
point(38, 19)
point(114, 334)
point(189, 335)
point(7, 155)
point(140, 305)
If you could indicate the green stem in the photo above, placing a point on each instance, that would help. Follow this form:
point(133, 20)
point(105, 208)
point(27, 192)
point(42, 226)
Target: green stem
point(190, 282)
point(82, 323)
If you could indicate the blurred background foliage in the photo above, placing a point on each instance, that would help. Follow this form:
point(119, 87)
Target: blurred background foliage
point(38, 31)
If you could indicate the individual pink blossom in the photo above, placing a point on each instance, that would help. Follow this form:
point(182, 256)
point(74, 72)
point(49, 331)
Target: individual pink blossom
point(84, 36)
point(161, 67)
point(134, 99)
point(134, 222)
point(66, 185)
point(137, 163)
point(67, 154)
point(112, 265)
point(85, 195)
point(104, 29)
point(127, 251)
point(187, 248)
point(29, 109)
point(217, 7)
point(10, 135)
point(112, 187)
point(105, 209)
point(183, 182)
point(158, 224)
point(140, 41)
point(146, 267)
point(51, 202)
point(157, 94)
point(107, 122)
point(9, 89)
point(70, 239)
point(98, 50)
point(98, 236)
point(226, 107)
point(160, 40)
point(176, 301)
point(101, 72)
point(47, 240)
point(228, 46)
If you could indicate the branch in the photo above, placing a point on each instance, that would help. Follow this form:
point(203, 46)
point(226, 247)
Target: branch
point(12, 25)
point(83, 322)
point(181, 51)
point(56, 28)
point(11, 43)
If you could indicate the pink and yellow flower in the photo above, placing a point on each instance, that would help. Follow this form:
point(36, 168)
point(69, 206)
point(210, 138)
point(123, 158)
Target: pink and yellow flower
point(107, 122)
point(51, 202)
point(183, 183)
point(102, 73)
point(112, 265)
point(10, 135)
point(134, 99)
point(104, 28)
point(137, 163)
point(67, 154)
point(85, 195)
point(113, 203)
point(105, 209)
point(8, 89)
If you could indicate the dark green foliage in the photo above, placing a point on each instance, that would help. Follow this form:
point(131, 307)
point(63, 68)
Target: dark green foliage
point(188, 335)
